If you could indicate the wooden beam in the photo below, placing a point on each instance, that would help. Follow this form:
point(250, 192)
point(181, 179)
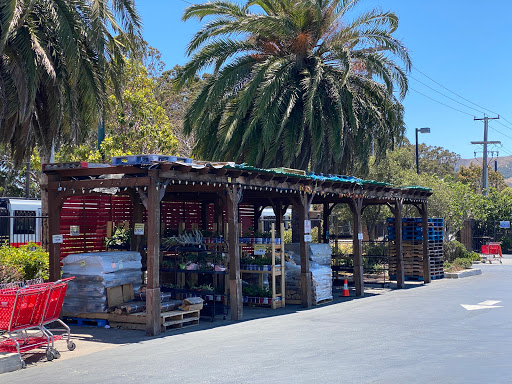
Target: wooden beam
point(153, 326)
point(136, 241)
point(204, 215)
point(234, 195)
point(302, 204)
point(83, 172)
point(127, 182)
point(400, 274)
point(54, 211)
point(326, 213)
point(426, 255)
point(356, 208)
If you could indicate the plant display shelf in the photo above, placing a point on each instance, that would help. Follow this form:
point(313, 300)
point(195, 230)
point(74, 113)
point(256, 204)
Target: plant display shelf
point(218, 278)
point(278, 299)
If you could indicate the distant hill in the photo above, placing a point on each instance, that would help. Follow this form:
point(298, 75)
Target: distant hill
point(504, 166)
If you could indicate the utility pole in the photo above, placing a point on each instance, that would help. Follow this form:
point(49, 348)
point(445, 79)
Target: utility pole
point(485, 170)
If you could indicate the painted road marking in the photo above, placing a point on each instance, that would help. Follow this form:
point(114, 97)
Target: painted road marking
point(483, 305)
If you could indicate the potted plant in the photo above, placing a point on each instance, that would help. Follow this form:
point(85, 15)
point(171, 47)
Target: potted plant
point(120, 239)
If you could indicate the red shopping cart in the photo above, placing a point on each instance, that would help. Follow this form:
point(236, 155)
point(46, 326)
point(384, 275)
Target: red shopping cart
point(21, 310)
point(53, 306)
point(491, 251)
point(24, 309)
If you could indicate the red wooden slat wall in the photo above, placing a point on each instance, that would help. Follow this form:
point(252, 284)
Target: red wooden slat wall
point(91, 214)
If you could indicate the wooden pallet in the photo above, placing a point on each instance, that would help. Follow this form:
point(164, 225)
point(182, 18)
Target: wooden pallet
point(169, 320)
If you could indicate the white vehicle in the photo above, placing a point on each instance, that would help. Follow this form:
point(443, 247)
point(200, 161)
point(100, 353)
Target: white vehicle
point(20, 221)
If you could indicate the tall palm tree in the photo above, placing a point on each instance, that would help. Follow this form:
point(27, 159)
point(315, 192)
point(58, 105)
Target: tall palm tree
point(55, 58)
point(300, 83)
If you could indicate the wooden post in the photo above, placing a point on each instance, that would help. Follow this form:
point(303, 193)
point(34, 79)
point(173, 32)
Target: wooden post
point(153, 326)
point(325, 224)
point(336, 229)
point(204, 215)
point(356, 208)
point(218, 215)
point(400, 275)
point(426, 256)
point(137, 218)
point(302, 205)
point(234, 195)
point(283, 262)
point(54, 211)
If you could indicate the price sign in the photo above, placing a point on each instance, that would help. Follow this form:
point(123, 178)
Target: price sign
point(259, 249)
point(74, 230)
point(138, 229)
point(308, 238)
point(307, 226)
point(57, 239)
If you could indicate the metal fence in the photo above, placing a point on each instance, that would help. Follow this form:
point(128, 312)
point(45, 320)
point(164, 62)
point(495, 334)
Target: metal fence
point(376, 259)
point(484, 232)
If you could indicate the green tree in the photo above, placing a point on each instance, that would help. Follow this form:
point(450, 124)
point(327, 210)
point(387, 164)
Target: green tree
point(305, 83)
point(472, 176)
point(137, 125)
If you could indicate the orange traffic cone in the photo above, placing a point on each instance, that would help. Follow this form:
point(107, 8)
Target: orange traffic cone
point(345, 293)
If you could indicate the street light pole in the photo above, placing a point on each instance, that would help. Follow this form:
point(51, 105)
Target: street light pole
point(422, 130)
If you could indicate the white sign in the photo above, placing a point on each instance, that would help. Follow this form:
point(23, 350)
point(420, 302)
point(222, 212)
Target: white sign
point(57, 239)
point(359, 236)
point(74, 230)
point(308, 238)
point(307, 226)
point(138, 229)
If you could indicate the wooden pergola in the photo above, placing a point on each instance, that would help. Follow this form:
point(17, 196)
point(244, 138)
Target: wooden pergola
point(226, 185)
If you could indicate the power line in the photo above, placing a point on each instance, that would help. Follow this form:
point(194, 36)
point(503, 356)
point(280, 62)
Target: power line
point(456, 94)
point(440, 102)
point(506, 126)
point(448, 97)
point(501, 133)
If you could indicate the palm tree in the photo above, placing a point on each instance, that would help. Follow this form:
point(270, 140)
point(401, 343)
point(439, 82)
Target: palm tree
point(55, 58)
point(295, 83)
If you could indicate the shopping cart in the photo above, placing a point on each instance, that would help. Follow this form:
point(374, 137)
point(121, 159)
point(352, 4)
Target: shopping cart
point(24, 313)
point(53, 306)
point(491, 251)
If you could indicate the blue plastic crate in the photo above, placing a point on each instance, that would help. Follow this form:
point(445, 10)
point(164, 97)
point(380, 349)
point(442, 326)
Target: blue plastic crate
point(147, 159)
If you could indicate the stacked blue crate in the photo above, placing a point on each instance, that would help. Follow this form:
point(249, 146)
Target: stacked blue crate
point(412, 238)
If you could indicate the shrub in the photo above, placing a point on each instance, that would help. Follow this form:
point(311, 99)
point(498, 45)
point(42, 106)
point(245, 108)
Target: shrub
point(454, 250)
point(462, 263)
point(29, 261)
point(9, 274)
point(448, 267)
point(288, 236)
point(473, 256)
point(344, 249)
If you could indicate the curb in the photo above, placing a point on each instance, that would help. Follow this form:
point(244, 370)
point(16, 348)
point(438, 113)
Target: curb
point(9, 362)
point(461, 274)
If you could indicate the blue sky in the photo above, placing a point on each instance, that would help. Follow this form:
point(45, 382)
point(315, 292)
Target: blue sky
point(464, 45)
